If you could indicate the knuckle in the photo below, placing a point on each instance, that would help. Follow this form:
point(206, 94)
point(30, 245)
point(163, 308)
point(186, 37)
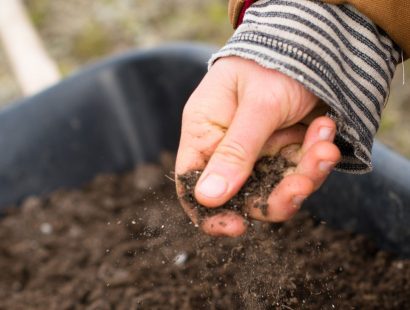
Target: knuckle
point(196, 111)
point(187, 112)
point(338, 153)
point(270, 104)
point(281, 213)
point(327, 151)
point(267, 101)
point(232, 152)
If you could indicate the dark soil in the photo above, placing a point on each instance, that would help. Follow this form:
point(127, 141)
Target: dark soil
point(124, 243)
point(267, 173)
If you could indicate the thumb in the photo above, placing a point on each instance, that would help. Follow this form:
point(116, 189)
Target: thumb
point(231, 163)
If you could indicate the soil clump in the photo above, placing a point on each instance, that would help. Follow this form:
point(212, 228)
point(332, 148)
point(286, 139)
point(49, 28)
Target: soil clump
point(267, 173)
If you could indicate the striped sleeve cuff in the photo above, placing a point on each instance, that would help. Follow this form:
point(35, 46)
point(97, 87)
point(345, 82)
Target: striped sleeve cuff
point(335, 52)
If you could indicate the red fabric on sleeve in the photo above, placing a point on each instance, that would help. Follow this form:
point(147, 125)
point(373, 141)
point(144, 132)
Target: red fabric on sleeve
point(245, 6)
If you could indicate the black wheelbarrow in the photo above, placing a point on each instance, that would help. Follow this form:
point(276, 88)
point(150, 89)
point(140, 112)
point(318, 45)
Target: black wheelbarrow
point(127, 110)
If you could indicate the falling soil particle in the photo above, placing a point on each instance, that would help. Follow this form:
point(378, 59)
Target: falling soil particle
point(267, 173)
point(124, 243)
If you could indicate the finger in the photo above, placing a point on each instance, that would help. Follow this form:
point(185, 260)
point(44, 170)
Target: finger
point(320, 109)
point(228, 224)
point(321, 129)
point(293, 135)
point(318, 162)
point(285, 200)
point(235, 225)
point(234, 157)
point(315, 159)
point(202, 129)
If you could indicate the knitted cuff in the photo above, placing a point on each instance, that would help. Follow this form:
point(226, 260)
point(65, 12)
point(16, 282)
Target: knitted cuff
point(335, 52)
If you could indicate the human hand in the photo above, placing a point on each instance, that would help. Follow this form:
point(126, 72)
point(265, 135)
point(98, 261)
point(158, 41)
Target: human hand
point(239, 112)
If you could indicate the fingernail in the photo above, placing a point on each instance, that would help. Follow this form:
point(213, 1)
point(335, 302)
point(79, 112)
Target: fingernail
point(326, 166)
point(298, 200)
point(325, 133)
point(213, 186)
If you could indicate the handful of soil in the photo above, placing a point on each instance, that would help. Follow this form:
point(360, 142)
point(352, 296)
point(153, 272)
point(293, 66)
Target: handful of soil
point(267, 173)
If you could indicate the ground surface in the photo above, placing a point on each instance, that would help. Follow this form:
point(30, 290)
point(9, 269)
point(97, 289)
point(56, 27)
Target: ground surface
point(124, 243)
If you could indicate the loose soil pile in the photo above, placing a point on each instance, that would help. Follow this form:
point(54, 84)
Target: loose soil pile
point(123, 242)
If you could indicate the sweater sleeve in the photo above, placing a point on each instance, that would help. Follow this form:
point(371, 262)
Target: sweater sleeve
point(393, 16)
point(335, 52)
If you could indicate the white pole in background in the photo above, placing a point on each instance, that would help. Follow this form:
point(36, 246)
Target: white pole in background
point(32, 66)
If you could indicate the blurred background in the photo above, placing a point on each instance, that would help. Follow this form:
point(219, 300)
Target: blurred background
point(76, 33)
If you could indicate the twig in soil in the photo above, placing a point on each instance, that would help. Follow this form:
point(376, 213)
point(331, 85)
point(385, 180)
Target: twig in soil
point(169, 178)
